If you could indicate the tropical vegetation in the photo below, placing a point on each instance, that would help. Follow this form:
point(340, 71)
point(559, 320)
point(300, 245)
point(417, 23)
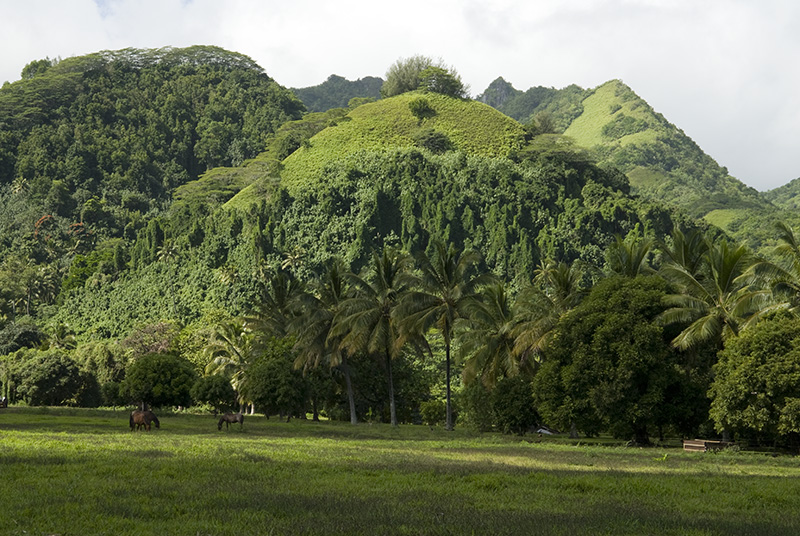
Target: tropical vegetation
point(175, 215)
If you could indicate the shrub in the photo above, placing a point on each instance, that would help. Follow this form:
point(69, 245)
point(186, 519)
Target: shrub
point(159, 380)
point(214, 390)
point(435, 142)
point(432, 412)
point(512, 405)
point(48, 379)
point(477, 406)
point(421, 108)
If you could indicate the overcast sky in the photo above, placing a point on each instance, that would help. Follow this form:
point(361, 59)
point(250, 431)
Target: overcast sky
point(727, 72)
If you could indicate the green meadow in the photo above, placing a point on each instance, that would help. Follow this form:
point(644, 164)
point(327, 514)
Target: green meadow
point(82, 472)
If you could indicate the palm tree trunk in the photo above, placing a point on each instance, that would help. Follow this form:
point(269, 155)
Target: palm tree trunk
point(448, 408)
point(392, 408)
point(351, 399)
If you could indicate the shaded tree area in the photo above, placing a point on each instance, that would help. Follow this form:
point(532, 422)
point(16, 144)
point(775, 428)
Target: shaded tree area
point(610, 366)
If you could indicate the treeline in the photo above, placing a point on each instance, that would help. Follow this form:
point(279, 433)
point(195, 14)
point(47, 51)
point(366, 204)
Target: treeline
point(689, 336)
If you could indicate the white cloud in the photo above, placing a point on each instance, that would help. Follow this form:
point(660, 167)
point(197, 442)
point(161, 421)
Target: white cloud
point(722, 70)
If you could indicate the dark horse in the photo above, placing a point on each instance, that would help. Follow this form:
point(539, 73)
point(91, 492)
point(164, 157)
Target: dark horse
point(141, 419)
point(230, 418)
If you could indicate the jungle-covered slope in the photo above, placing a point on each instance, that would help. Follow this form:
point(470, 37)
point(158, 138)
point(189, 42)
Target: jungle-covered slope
point(660, 160)
point(167, 184)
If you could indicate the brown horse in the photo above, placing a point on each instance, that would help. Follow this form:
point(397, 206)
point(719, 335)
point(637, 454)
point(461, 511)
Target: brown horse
point(230, 418)
point(141, 419)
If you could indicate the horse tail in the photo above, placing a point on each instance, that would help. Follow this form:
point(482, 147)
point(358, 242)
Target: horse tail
point(131, 420)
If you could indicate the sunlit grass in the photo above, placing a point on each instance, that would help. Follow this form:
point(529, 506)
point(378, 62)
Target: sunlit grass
point(83, 472)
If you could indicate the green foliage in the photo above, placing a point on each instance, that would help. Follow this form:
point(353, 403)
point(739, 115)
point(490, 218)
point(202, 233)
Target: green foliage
point(274, 385)
point(404, 75)
point(388, 124)
point(435, 142)
point(433, 412)
point(440, 80)
point(337, 92)
point(214, 390)
point(159, 380)
point(48, 378)
point(512, 405)
point(623, 125)
point(476, 404)
point(756, 389)
point(421, 108)
point(609, 365)
point(561, 106)
point(22, 334)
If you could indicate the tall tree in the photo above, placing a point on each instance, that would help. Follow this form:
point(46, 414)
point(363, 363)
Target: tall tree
point(555, 289)
point(442, 293)
point(487, 337)
point(368, 320)
point(715, 307)
point(278, 305)
point(315, 328)
point(232, 351)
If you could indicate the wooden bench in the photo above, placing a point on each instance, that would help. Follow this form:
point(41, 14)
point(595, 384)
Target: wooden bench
point(703, 445)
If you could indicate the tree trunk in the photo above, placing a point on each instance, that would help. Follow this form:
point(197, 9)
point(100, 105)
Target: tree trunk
point(392, 409)
point(351, 399)
point(573, 431)
point(448, 408)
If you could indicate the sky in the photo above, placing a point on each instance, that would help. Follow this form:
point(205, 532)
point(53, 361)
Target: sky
point(726, 72)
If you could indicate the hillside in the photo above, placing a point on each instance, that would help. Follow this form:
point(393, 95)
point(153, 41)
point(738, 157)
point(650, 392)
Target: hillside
point(93, 147)
point(468, 126)
point(786, 197)
point(660, 160)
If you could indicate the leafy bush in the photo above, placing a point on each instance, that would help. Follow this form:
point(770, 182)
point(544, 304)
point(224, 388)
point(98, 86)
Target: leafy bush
point(432, 412)
point(477, 403)
point(512, 405)
point(421, 108)
point(216, 391)
point(756, 390)
point(435, 142)
point(49, 378)
point(159, 380)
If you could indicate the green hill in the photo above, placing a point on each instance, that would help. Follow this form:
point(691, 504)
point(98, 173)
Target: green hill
point(786, 197)
point(661, 162)
point(471, 127)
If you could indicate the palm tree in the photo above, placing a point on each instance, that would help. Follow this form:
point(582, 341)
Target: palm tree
point(443, 292)
point(687, 250)
point(278, 306)
point(232, 350)
point(784, 276)
point(487, 337)
point(555, 290)
point(314, 328)
point(719, 304)
point(629, 256)
point(367, 321)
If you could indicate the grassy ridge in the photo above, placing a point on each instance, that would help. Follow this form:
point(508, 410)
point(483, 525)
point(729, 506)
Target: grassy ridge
point(82, 472)
point(475, 128)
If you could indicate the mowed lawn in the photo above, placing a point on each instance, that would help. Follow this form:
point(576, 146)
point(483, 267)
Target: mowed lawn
point(82, 472)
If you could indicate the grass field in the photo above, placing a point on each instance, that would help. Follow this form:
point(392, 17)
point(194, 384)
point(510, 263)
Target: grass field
point(82, 472)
